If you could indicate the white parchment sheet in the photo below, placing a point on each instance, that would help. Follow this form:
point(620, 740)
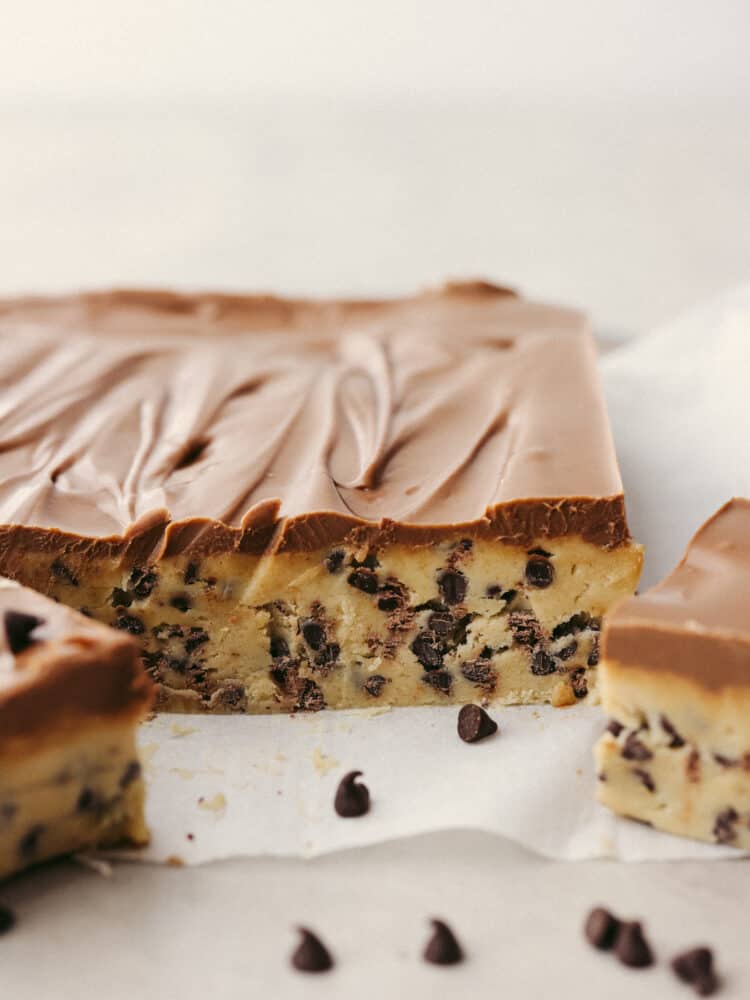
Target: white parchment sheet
point(221, 787)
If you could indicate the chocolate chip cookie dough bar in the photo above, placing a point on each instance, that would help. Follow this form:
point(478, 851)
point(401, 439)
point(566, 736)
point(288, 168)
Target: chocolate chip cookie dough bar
point(295, 505)
point(675, 681)
point(71, 695)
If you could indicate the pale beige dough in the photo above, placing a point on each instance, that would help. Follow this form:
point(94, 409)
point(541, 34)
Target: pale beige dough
point(80, 789)
point(681, 761)
point(228, 632)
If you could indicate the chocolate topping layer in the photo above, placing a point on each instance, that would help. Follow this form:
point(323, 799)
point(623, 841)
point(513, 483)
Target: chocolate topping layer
point(161, 423)
point(696, 622)
point(75, 668)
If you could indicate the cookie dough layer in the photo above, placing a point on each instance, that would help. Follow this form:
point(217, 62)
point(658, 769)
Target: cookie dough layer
point(71, 696)
point(298, 504)
point(82, 790)
point(675, 681)
point(460, 621)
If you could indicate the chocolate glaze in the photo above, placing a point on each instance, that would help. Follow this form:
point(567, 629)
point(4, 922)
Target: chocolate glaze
point(696, 622)
point(76, 669)
point(143, 424)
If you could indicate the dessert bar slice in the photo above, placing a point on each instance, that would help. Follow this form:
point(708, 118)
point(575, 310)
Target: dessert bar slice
point(71, 695)
point(298, 504)
point(675, 681)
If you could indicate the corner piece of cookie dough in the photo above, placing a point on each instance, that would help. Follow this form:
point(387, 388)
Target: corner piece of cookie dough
point(675, 683)
point(71, 695)
point(295, 505)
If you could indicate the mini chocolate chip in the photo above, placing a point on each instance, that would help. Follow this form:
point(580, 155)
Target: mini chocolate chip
point(615, 727)
point(453, 586)
point(441, 622)
point(723, 761)
point(352, 797)
point(388, 603)
point(130, 774)
point(142, 582)
point(191, 574)
point(311, 955)
point(196, 638)
point(579, 683)
point(474, 724)
point(632, 948)
point(494, 591)
point(676, 741)
point(181, 602)
point(428, 650)
point(61, 571)
point(724, 830)
point(313, 633)
point(634, 749)
point(645, 778)
point(442, 947)
point(88, 801)
point(363, 579)
point(334, 560)
point(441, 680)
point(328, 654)
point(232, 697)
point(542, 664)
point(696, 968)
point(539, 572)
point(129, 623)
point(601, 928)
point(309, 697)
point(178, 664)
point(279, 647)
point(18, 628)
point(460, 632)
point(7, 919)
point(374, 685)
point(525, 629)
point(121, 598)
point(539, 552)
point(593, 659)
point(392, 598)
point(480, 672)
point(466, 544)
point(567, 651)
point(576, 623)
point(285, 673)
point(29, 843)
point(693, 964)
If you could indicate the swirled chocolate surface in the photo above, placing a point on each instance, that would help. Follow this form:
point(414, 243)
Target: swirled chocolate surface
point(209, 421)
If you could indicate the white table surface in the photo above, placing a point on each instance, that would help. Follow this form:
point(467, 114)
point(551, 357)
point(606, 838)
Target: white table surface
point(635, 212)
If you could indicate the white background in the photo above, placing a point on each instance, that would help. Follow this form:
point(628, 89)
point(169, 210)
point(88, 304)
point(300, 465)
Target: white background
point(596, 153)
point(407, 49)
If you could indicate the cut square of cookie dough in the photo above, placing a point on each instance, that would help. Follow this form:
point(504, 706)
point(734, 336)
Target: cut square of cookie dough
point(675, 681)
point(297, 504)
point(71, 695)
